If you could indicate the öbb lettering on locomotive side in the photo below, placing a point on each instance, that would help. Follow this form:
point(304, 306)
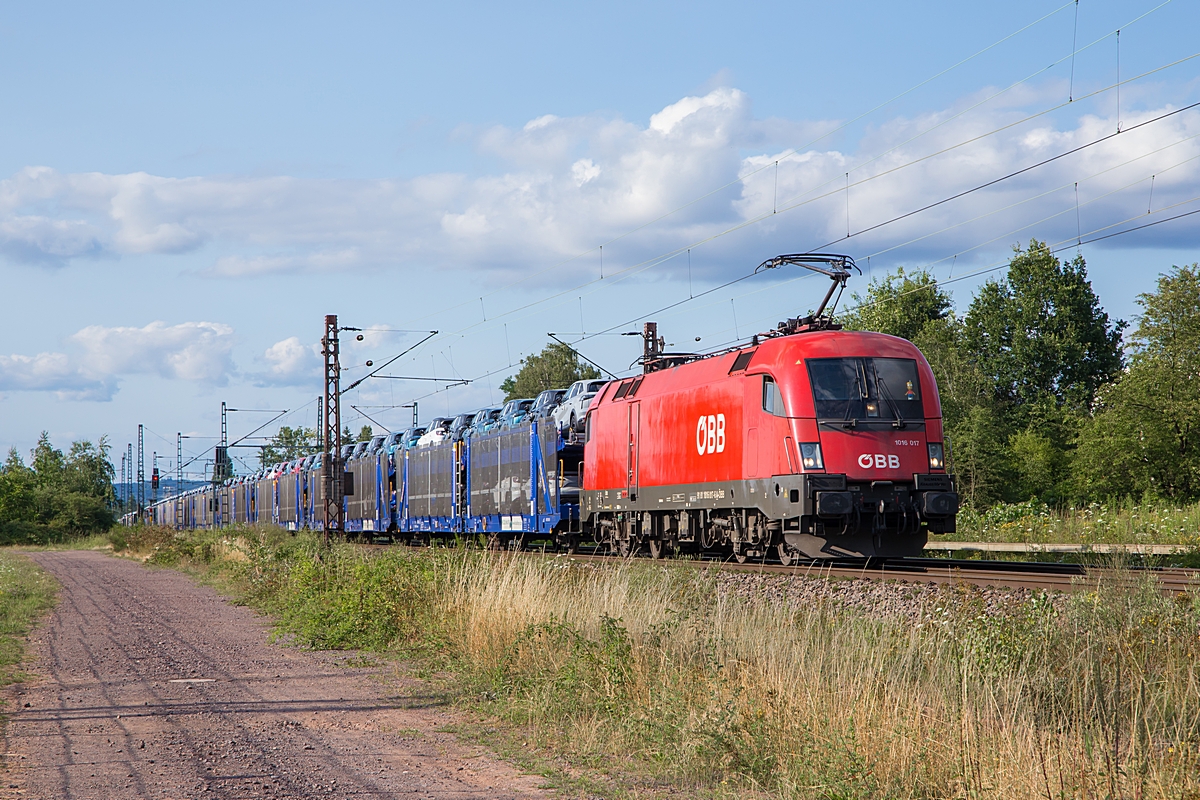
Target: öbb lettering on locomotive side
point(710, 434)
point(808, 442)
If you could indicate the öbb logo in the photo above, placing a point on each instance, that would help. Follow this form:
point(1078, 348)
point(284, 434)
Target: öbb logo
point(879, 461)
point(710, 434)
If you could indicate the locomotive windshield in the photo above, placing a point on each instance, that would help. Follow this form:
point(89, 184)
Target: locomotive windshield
point(866, 388)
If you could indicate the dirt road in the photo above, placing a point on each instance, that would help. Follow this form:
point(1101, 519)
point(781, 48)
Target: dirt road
point(151, 687)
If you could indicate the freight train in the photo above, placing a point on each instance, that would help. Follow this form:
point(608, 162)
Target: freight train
point(810, 442)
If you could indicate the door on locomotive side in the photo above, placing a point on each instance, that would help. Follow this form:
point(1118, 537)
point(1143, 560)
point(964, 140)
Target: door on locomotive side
point(776, 447)
point(633, 429)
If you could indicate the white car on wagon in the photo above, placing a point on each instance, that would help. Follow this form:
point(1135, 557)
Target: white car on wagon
point(572, 411)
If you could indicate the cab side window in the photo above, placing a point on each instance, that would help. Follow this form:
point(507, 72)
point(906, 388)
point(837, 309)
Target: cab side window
point(772, 399)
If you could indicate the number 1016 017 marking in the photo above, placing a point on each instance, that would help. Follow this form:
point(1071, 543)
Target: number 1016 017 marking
point(908, 442)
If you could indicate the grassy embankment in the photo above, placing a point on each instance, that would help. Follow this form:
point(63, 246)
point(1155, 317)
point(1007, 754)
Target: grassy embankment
point(1120, 522)
point(25, 593)
point(645, 673)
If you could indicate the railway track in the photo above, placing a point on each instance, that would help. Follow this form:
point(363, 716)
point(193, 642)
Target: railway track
point(1009, 574)
point(1031, 575)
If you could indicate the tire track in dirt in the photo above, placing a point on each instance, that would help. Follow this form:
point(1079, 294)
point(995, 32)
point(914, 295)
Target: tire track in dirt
point(152, 687)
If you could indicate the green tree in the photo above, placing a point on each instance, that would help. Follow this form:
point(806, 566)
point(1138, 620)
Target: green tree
point(17, 485)
point(88, 470)
point(290, 443)
point(899, 305)
point(556, 367)
point(70, 492)
point(1041, 332)
point(47, 461)
point(1045, 348)
point(1144, 437)
point(365, 433)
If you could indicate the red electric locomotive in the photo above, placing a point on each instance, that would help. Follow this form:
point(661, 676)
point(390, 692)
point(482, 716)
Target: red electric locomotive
point(811, 442)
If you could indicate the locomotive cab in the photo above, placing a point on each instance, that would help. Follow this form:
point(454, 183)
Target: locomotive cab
point(863, 412)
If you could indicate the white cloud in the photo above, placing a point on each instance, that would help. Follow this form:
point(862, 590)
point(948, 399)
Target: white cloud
point(52, 372)
point(568, 183)
point(291, 362)
point(194, 351)
point(584, 170)
point(39, 239)
point(540, 122)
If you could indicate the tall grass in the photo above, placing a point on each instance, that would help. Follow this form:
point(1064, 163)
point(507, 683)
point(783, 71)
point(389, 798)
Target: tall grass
point(648, 670)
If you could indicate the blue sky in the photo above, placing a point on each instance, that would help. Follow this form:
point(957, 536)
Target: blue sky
point(186, 191)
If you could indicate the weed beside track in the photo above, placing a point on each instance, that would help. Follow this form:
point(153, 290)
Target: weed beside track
point(655, 676)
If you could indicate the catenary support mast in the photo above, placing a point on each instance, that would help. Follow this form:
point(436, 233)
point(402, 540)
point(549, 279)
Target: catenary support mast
point(141, 475)
point(331, 432)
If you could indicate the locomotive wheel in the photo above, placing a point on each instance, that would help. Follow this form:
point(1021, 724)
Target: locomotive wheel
point(623, 547)
point(659, 548)
point(740, 556)
point(787, 555)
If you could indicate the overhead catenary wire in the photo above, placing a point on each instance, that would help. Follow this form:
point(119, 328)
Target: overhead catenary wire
point(986, 184)
point(1056, 247)
point(654, 261)
point(955, 256)
point(796, 150)
point(1036, 222)
point(1023, 170)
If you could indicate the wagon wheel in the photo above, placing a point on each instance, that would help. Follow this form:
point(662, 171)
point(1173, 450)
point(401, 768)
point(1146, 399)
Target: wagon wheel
point(624, 548)
point(788, 555)
point(517, 542)
point(493, 541)
point(659, 548)
point(572, 544)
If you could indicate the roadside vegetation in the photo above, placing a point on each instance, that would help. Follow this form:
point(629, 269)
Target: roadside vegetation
point(1120, 522)
point(57, 496)
point(645, 677)
point(26, 592)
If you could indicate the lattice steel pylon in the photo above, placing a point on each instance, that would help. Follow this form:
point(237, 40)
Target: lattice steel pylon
point(141, 476)
point(179, 481)
point(130, 492)
point(331, 432)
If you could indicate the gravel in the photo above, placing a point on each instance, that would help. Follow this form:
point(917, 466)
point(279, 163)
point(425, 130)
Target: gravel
point(875, 599)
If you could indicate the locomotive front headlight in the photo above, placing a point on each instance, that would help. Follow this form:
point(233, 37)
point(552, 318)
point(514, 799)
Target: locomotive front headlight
point(936, 459)
point(810, 455)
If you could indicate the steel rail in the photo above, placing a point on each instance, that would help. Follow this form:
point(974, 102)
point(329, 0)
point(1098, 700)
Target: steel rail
point(1031, 575)
point(1002, 574)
